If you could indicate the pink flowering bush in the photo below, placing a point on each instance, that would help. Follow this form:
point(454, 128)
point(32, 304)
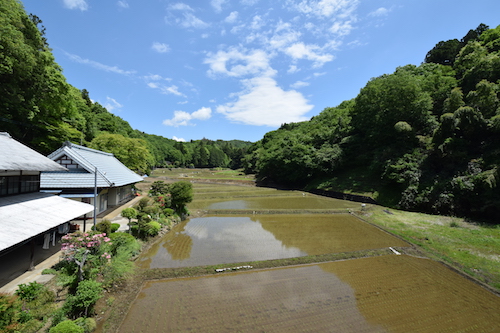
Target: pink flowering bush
point(72, 243)
point(87, 250)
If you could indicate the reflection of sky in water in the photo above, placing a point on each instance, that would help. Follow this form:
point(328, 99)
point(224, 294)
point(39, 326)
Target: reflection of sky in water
point(218, 240)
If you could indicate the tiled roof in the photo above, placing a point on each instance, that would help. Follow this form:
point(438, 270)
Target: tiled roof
point(25, 216)
point(16, 156)
point(65, 180)
point(110, 171)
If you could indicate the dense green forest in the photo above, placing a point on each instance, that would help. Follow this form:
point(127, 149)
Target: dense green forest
point(39, 108)
point(424, 138)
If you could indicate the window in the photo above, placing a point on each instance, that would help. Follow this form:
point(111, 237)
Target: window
point(10, 185)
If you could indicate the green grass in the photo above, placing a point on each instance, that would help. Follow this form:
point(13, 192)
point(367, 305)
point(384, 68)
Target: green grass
point(472, 248)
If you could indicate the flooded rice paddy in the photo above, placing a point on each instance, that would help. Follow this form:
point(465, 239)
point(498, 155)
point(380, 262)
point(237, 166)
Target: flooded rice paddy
point(230, 239)
point(275, 202)
point(379, 294)
point(391, 293)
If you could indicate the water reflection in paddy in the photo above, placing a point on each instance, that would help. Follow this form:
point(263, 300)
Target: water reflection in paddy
point(229, 239)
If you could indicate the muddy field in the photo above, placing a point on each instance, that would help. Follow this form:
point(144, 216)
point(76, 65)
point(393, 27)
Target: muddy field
point(380, 294)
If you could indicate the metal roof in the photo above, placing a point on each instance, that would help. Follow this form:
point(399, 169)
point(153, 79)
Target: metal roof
point(16, 156)
point(25, 216)
point(110, 171)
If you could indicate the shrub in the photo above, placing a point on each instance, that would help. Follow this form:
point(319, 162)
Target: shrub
point(152, 211)
point(88, 324)
point(58, 316)
point(129, 213)
point(49, 271)
point(114, 227)
point(43, 304)
point(87, 294)
point(10, 308)
point(67, 326)
point(28, 292)
point(163, 221)
point(144, 202)
point(83, 254)
point(104, 226)
point(152, 228)
point(123, 242)
point(168, 211)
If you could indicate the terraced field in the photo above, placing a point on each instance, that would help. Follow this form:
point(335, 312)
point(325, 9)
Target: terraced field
point(380, 293)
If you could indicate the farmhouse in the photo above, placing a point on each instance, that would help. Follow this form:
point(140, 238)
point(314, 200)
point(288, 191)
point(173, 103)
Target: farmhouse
point(90, 172)
point(26, 214)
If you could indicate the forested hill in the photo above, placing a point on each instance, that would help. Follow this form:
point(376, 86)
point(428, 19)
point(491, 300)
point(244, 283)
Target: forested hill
point(424, 138)
point(39, 108)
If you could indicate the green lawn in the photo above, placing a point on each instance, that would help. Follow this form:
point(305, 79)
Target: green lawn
point(470, 247)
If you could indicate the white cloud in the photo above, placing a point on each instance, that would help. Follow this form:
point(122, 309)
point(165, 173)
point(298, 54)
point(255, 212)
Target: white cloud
point(191, 21)
point(280, 41)
point(231, 18)
point(262, 102)
point(325, 8)
point(188, 19)
point(183, 118)
point(160, 47)
point(217, 4)
point(98, 65)
point(155, 77)
point(172, 90)
point(379, 12)
point(155, 81)
point(299, 84)
point(341, 29)
point(257, 23)
point(178, 139)
point(76, 4)
point(249, 2)
point(202, 114)
point(310, 52)
point(111, 104)
point(123, 4)
point(180, 6)
point(240, 63)
point(292, 69)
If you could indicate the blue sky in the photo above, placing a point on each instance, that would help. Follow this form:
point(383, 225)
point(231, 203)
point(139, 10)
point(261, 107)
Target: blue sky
point(237, 69)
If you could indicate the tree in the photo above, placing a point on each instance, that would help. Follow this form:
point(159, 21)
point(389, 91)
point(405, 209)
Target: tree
point(133, 153)
point(386, 100)
point(444, 53)
point(129, 213)
point(159, 187)
point(454, 100)
point(34, 94)
point(182, 194)
point(485, 98)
